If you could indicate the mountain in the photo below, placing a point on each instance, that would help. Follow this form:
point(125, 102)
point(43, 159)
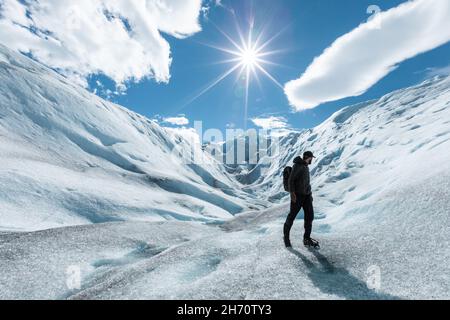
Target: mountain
point(69, 157)
point(96, 202)
point(369, 149)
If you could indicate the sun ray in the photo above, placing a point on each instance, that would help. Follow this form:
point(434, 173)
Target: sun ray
point(269, 76)
point(239, 48)
point(247, 85)
point(265, 44)
point(256, 76)
point(271, 53)
point(225, 50)
point(211, 85)
point(249, 58)
point(247, 54)
point(275, 64)
point(226, 61)
point(239, 31)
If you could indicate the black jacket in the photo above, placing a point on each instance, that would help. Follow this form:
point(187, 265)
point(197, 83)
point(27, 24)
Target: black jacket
point(299, 180)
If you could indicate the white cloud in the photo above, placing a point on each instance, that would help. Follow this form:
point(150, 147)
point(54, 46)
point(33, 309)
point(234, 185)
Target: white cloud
point(177, 121)
point(271, 122)
point(444, 71)
point(119, 38)
point(359, 59)
point(208, 5)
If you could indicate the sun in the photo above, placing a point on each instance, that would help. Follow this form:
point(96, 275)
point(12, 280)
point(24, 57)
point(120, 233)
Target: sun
point(249, 57)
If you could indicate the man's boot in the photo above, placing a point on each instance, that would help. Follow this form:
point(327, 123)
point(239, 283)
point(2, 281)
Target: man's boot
point(311, 243)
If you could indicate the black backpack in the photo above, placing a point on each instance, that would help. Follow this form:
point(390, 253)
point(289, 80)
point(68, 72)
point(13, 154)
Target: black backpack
point(286, 174)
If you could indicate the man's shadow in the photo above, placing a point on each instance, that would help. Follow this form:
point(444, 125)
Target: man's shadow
point(338, 281)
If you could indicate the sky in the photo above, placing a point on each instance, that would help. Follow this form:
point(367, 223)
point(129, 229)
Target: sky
point(161, 58)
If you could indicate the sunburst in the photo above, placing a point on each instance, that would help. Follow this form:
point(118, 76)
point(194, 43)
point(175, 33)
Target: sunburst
point(247, 56)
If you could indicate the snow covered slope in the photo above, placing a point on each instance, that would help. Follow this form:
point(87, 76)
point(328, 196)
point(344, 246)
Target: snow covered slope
point(381, 195)
point(68, 157)
point(368, 150)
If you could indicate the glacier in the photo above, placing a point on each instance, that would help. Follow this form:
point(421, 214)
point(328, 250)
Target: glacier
point(69, 157)
point(90, 186)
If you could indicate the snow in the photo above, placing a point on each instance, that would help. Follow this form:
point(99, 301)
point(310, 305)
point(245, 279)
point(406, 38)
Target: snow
point(242, 259)
point(69, 157)
point(89, 185)
point(3, 59)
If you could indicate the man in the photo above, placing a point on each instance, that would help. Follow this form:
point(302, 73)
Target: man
point(301, 196)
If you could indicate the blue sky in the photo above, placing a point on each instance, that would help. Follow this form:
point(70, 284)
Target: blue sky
point(309, 28)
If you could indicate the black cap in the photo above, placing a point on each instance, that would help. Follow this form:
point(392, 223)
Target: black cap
point(308, 154)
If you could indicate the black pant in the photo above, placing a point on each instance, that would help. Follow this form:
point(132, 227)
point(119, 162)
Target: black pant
point(305, 202)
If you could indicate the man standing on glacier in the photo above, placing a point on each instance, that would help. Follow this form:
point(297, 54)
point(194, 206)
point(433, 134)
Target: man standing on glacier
point(301, 197)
